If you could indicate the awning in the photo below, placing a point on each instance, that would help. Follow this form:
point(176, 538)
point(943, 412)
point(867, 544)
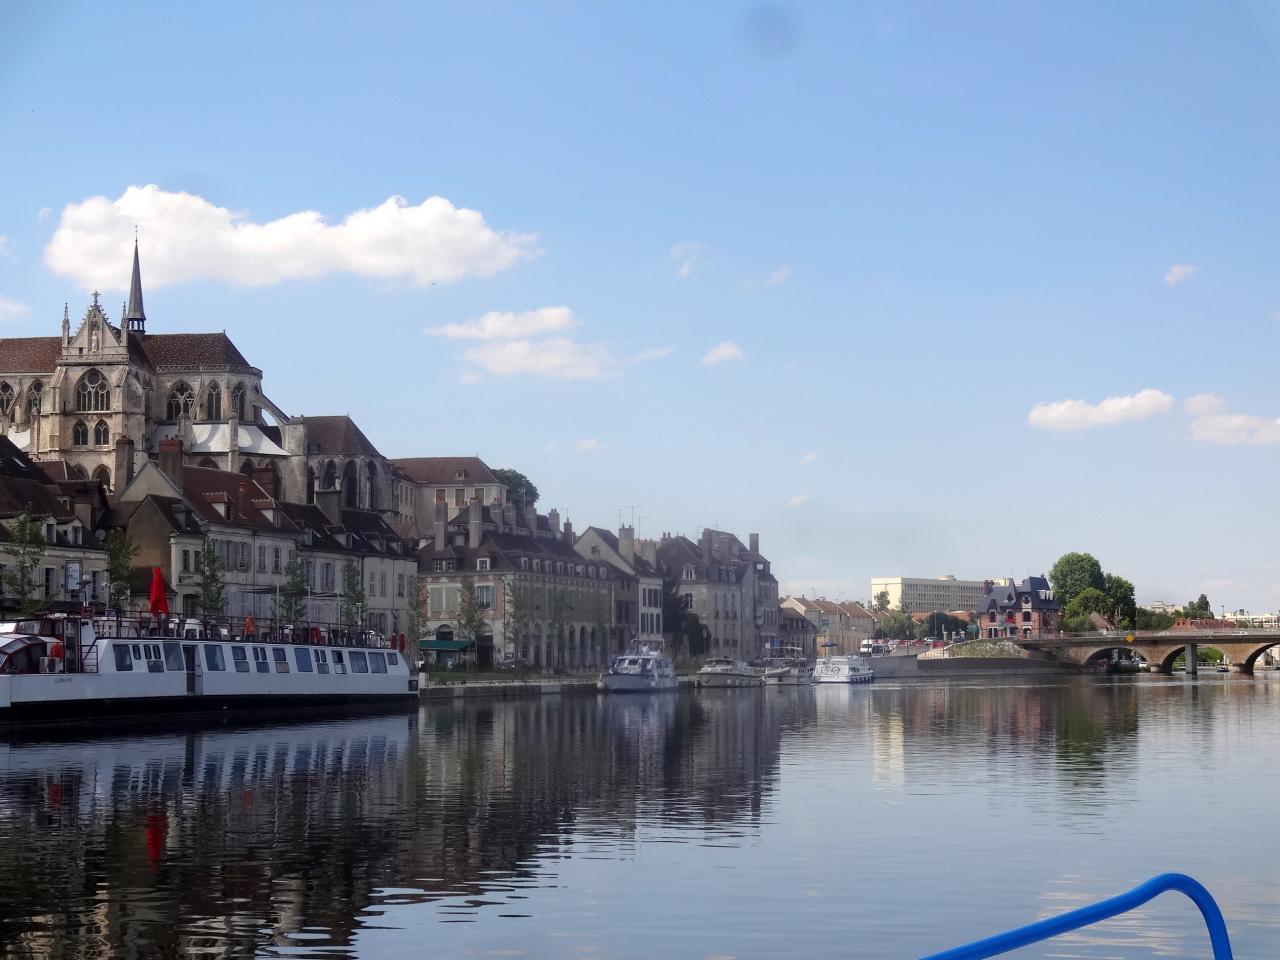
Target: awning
point(448, 646)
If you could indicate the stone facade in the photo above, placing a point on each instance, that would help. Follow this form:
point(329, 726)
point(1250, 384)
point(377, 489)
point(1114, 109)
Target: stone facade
point(1025, 611)
point(639, 590)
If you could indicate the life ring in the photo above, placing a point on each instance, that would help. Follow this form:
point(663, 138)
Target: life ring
point(56, 650)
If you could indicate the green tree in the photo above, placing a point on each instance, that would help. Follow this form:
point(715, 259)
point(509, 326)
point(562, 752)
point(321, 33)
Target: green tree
point(940, 624)
point(26, 547)
point(557, 620)
point(1073, 574)
point(690, 637)
point(470, 613)
point(515, 617)
point(1123, 610)
point(418, 613)
point(1146, 619)
point(293, 593)
point(882, 601)
point(520, 489)
point(1075, 615)
point(351, 606)
point(897, 625)
point(213, 592)
point(1198, 609)
point(120, 551)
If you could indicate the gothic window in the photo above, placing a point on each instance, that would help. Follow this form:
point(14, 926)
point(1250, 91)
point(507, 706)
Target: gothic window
point(213, 403)
point(101, 433)
point(103, 476)
point(35, 394)
point(181, 400)
point(209, 463)
point(92, 393)
point(246, 468)
point(311, 485)
point(237, 401)
point(350, 486)
point(373, 485)
point(80, 434)
point(6, 399)
point(330, 476)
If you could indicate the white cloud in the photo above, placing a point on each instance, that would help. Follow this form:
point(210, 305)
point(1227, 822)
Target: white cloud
point(1079, 415)
point(43, 214)
point(508, 325)
point(468, 377)
point(1212, 423)
point(589, 444)
point(779, 276)
point(557, 358)
point(686, 254)
point(5, 249)
point(12, 309)
point(809, 457)
point(185, 237)
point(722, 352)
point(1179, 273)
point(1203, 404)
point(799, 500)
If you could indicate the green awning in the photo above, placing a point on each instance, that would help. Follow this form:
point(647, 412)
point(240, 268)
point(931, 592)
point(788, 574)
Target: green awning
point(448, 646)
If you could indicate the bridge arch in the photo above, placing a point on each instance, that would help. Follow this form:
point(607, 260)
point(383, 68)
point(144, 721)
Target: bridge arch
point(1104, 654)
point(1251, 659)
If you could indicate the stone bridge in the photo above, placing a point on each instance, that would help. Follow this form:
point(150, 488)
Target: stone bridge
point(1159, 648)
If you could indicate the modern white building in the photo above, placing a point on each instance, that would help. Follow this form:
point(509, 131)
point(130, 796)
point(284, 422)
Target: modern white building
point(921, 595)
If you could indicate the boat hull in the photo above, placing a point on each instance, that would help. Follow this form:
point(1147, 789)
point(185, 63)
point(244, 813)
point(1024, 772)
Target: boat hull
point(635, 683)
point(724, 680)
point(852, 678)
point(22, 713)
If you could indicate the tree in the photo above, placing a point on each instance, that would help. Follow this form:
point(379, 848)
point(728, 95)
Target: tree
point(1123, 610)
point(940, 625)
point(557, 618)
point(417, 610)
point(897, 625)
point(1198, 609)
point(1146, 619)
point(351, 606)
point(26, 547)
point(882, 601)
point(600, 613)
point(690, 637)
point(292, 606)
point(515, 617)
point(520, 489)
point(1076, 614)
point(120, 551)
point(470, 614)
point(212, 591)
point(1074, 573)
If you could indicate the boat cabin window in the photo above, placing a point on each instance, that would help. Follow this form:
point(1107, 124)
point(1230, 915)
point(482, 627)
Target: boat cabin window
point(391, 659)
point(281, 659)
point(173, 656)
point(154, 662)
point(137, 651)
point(302, 656)
point(358, 662)
point(377, 663)
point(213, 658)
point(123, 660)
point(322, 661)
point(241, 661)
point(338, 665)
point(260, 660)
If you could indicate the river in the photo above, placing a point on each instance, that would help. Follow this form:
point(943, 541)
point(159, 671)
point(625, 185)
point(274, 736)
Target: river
point(886, 821)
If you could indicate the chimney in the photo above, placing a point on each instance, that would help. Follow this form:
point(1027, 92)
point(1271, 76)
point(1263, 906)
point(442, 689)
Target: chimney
point(649, 550)
point(329, 502)
point(706, 544)
point(243, 497)
point(171, 460)
point(627, 545)
point(233, 443)
point(754, 540)
point(509, 515)
point(495, 512)
point(475, 513)
point(123, 472)
point(441, 525)
point(553, 520)
point(568, 533)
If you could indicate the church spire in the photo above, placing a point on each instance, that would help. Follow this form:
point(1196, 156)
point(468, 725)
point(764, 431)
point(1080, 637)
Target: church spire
point(135, 317)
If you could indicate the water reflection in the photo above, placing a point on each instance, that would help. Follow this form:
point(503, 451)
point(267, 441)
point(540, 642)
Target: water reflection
point(316, 839)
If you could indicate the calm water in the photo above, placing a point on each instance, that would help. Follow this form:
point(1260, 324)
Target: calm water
point(887, 821)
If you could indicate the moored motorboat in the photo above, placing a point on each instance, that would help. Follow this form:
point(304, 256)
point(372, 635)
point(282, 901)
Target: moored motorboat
point(643, 668)
point(727, 672)
point(843, 669)
point(785, 671)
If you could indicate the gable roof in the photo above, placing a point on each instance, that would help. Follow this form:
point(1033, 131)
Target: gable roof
point(191, 351)
point(336, 437)
point(444, 470)
point(29, 354)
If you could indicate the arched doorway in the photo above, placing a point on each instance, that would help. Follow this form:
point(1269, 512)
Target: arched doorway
point(103, 476)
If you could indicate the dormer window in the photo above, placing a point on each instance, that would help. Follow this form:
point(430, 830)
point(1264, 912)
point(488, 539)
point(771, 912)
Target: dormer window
point(482, 564)
point(688, 573)
point(51, 532)
point(460, 475)
point(524, 563)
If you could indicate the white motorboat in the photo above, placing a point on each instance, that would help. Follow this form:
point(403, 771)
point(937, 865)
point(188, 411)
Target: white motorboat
point(727, 672)
point(786, 671)
point(643, 668)
point(70, 668)
point(843, 669)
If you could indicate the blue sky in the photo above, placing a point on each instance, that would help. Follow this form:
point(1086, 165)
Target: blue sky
point(914, 222)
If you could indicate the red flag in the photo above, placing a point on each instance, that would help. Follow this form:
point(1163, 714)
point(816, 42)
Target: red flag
point(159, 602)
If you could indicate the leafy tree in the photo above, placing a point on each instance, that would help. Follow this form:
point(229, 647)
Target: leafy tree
point(940, 624)
point(897, 625)
point(213, 593)
point(1073, 574)
point(293, 607)
point(120, 551)
point(882, 601)
point(470, 613)
point(26, 547)
point(1146, 619)
point(1075, 615)
point(690, 637)
point(1198, 609)
point(520, 489)
point(1123, 609)
point(351, 606)
point(515, 616)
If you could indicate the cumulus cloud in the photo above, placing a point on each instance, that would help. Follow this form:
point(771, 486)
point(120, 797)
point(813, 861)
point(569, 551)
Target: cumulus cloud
point(1179, 273)
point(722, 352)
point(1203, 403)
point(687, 255)
point(508, 325)
point(185, 237)
point(12, 309)
point(809, 457)
point(779, 276)
point(799, 500)
point(1211, 422)
point(589, 444)
point(557, 358)
point(468, 377)
point(43, 214)
point(1079, 415)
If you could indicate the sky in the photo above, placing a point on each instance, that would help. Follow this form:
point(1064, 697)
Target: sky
point(906, 288)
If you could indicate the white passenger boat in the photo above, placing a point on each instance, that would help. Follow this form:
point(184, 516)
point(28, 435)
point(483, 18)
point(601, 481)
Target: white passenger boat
point(727, 672)
point(67, 668)
point(842, 669)
point(786, 672)
point(643, 668)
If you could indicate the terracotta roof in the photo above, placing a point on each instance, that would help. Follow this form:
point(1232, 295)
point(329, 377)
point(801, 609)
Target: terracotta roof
point(204, 486)
point(188, 351)
point(16, 464)
point(336, 437)
point(444, 470)
point(29, 354)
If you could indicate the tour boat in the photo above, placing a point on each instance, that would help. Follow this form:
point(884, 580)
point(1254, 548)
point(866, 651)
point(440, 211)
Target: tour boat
point(786, 671)
point(727, 672)
point(74, 668)
point(642, 668)
point(838, 669)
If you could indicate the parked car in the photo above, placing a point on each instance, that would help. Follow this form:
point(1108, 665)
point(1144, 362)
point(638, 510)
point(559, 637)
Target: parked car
point(513, 663)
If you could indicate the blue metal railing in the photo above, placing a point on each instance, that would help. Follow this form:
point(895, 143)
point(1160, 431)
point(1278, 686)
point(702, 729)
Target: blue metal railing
point(1102, 910)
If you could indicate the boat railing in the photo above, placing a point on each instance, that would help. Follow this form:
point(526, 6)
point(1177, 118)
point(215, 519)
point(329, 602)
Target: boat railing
point(1097, 912)
point(144, 626)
